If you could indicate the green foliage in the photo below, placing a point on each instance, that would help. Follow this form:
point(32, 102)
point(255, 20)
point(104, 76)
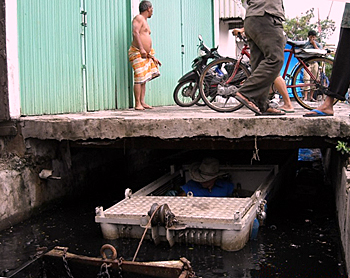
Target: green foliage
point(343, 147)
point(298, 27)
point(327, 27)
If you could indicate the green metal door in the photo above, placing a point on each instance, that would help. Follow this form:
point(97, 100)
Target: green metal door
point(175, 40)
point(73, 53)
point(107, 37)
point(197, 18)
point(49, 56)
point(165, 27)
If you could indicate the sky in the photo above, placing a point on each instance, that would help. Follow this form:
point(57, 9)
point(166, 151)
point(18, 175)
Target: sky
point(295, 8)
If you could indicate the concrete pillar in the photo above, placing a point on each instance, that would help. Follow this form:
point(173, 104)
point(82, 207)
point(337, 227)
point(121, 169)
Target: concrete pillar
point(13, 96)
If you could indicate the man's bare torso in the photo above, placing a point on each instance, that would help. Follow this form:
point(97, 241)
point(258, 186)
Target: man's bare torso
point(144, 33)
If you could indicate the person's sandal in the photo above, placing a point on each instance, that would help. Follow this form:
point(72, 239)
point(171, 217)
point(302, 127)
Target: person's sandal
point(246, 104)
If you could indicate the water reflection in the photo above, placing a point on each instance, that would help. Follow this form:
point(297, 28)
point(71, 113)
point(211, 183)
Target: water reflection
point(300, 239)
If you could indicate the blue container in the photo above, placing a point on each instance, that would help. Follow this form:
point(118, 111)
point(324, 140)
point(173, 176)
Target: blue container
point(255, 229)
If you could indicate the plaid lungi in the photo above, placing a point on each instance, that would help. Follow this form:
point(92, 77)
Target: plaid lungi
point(145, 69)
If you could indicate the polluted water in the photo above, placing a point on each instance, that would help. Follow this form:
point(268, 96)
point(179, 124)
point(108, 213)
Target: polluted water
point(300, 238)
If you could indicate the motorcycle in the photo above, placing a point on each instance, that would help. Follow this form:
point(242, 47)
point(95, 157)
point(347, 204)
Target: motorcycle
point(186, 93)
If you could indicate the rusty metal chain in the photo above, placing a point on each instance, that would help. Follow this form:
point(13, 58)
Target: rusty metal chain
point(66, 266)
point(120, 262)
point(104, 267)
point(104, 271)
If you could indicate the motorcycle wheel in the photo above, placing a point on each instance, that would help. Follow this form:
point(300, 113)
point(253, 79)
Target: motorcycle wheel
point(186, 93)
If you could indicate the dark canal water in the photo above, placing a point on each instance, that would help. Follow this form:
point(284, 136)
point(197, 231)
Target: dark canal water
point(300, 238)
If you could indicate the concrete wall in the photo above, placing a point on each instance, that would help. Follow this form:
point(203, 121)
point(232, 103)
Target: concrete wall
point(339, 177)
point(84, 174)
point(344, 214)
point(343, 209)
point(22, 190)
point(79, 174)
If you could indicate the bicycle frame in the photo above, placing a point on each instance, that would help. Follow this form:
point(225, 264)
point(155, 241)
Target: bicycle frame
point(300, 61)
point(245, 52)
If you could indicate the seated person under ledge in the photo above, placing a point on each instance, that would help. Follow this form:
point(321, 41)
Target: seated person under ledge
point(206, 182)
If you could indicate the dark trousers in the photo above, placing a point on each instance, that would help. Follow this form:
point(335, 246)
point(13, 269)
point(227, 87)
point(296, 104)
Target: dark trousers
point(340, 78)
point(266, 42)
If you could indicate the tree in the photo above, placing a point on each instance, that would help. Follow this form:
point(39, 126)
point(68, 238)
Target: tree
point(298, 27)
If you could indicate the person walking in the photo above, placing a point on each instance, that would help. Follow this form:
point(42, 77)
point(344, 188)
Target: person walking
point(340, 78)
point(279, 84)
point(141, 55)
point(264, 31)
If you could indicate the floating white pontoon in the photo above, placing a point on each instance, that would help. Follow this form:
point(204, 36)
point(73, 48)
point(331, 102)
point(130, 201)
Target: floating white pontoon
point(225, 222)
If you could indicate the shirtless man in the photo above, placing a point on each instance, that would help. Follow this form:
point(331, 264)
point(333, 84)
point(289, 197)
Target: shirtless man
point(141, 55)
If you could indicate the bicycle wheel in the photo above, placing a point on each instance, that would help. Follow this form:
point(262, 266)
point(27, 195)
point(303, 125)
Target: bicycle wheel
point(309, 90)
point(186, 93)
point(200, 102)
point(226, 75)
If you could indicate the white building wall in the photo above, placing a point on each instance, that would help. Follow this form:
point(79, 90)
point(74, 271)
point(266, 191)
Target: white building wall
point(12, 59)
point(227, 43)
point(227, 9)
point(135, 7)
point(231, 9)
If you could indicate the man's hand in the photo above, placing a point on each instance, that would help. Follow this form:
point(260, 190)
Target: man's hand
point(312, 40)
point(236, 31)
point(143, 53)
point(156, 61)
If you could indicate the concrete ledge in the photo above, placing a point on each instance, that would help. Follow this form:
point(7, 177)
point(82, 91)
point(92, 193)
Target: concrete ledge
point(177, 122)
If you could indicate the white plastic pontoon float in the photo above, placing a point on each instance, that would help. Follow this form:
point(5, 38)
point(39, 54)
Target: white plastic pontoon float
point(225, 222)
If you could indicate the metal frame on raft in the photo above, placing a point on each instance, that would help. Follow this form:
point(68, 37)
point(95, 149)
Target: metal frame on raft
point(226, 222)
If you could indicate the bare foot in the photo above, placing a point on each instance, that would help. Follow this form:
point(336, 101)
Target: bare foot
point(324, 108)
point(286, 108)
point(318, 110)
point(139, 108)
point(146, 106)
point(271, 110)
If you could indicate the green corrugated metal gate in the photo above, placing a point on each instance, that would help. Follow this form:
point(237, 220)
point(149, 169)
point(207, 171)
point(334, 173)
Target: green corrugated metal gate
point(73, 53)
point(107, 39)
point(49, 56)
point(66, 66)
point(175, 27)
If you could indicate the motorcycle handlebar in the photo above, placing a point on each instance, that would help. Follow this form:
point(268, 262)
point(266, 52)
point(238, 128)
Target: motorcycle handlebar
point(208, 52)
